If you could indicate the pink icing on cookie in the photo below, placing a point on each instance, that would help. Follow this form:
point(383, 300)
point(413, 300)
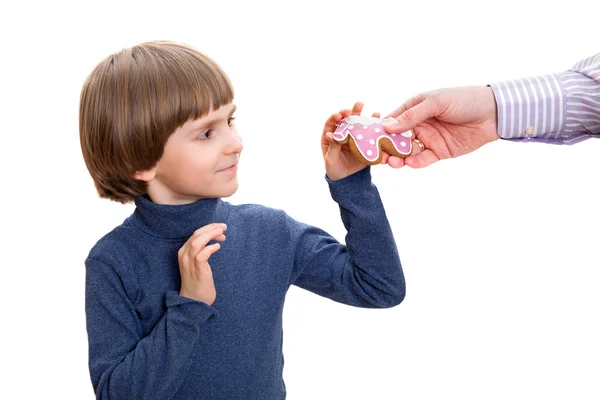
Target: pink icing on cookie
point(367, 132)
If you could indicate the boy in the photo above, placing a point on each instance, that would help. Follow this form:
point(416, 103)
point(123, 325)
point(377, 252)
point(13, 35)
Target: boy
point(170, 315)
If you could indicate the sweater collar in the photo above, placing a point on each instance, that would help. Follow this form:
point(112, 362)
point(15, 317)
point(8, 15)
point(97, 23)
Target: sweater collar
point(177, 221)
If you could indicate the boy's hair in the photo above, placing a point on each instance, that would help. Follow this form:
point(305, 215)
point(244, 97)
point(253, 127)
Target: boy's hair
point(133, 101)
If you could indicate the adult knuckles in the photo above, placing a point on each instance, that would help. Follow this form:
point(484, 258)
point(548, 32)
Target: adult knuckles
point(409, 115)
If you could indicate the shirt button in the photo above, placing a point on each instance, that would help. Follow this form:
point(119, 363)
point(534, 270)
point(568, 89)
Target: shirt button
point(529, 130)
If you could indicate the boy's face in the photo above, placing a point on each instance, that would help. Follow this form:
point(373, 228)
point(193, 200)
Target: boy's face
point(199, 161)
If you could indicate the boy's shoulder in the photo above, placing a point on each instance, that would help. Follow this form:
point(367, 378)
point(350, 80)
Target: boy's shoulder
point(256, 214)
point(256, 210)
point(117, 242)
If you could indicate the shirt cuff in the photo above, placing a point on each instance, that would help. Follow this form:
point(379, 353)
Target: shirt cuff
point(583, 103)
point(351, 184)
point(531, 108)
point(196, 310)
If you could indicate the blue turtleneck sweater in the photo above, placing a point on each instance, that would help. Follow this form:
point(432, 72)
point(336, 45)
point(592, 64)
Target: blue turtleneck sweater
point(147, 342)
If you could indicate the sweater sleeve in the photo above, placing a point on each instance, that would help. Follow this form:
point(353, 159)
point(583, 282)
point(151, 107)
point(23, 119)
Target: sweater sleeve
point(124, 364)
point(366, 272)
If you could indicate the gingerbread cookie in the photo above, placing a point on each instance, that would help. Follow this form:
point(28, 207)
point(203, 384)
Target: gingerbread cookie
point(366, 137)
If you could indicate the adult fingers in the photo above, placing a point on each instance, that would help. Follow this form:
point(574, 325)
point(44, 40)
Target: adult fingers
point(384, 157)
point(410, 103)
point(422, 160)
point(395, 162)
point(399, 162)
point(413, 116)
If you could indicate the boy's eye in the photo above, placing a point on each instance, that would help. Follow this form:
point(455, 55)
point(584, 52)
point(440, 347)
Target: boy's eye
point(205, 135)
point(209, 132)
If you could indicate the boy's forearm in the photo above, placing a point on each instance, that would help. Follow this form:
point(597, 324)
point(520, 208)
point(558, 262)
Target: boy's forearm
point(372, 251)
point(366, 272)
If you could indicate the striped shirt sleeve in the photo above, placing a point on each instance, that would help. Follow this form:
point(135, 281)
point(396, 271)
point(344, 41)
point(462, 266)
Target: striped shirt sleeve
point(562, 108)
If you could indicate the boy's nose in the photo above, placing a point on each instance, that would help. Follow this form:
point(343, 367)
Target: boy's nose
point(234, 143)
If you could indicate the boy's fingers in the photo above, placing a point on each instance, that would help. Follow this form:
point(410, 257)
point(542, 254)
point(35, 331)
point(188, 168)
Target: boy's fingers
point(203, 256)
point(209, 227)
point(200, 242)
point(333, 152)
point(333, 120)
point(198, 232)
point(357, 109)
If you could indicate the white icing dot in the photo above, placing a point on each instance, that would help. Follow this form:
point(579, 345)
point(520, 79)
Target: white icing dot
point(369, 153)
point(393, 135)
point(365, 127)
point(371, 141)
point(359, 137)
point(402, 144)
point(407, 134)
point(377, 130)
point(351, 127)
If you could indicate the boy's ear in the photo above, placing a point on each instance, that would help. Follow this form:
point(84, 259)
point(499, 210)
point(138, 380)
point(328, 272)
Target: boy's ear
point(145, 176)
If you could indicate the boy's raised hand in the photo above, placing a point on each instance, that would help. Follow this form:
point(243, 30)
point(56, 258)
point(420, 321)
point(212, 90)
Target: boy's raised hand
point(339, 160)
point(196, 275)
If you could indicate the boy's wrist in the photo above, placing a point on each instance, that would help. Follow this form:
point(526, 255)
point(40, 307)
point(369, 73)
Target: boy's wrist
point(336, 176)
point(362, 175)
point(356, 184)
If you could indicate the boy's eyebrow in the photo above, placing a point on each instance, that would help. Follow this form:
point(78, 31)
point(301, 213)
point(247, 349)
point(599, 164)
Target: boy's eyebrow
point(210, 121)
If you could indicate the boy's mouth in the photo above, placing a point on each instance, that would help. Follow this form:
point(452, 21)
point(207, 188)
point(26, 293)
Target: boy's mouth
point(229, 169)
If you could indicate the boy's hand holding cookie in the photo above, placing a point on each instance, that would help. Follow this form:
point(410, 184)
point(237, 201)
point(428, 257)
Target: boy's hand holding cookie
point(339, 160)
point(196, 275)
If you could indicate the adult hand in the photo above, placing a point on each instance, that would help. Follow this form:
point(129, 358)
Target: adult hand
point(449, 122)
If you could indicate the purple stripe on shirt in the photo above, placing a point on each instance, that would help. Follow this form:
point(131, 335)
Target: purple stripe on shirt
point(510, 124)
point(536, 115)
point(517, 102)
point(524, 107)
point(562, 108)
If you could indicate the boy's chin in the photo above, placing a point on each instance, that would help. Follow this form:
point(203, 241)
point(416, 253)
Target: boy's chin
point(230, 191)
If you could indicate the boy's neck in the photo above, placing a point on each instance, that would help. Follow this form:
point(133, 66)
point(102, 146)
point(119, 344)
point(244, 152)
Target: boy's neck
point(177, 220)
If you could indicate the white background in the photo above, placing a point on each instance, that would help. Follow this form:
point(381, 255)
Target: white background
point(499, 247)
